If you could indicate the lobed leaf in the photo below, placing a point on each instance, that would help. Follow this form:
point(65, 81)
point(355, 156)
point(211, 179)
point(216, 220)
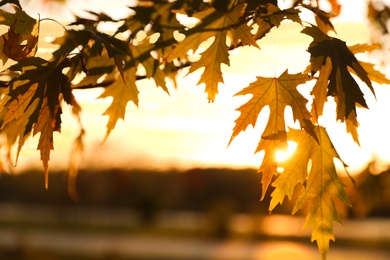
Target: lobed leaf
point(214, 24)
point(21, 40)
point(211, 60)
point(319, 90)
point(295, 167)
point(45, 125)
point(150, 64)
point(321, 184)
point(341, 83)
point(122, 91)
point(32, 102)
point(277, 93)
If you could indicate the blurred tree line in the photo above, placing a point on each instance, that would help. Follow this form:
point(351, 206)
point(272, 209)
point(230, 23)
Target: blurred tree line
point(197, 190)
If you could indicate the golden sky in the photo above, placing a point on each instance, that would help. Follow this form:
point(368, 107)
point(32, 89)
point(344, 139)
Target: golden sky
point(184, 130)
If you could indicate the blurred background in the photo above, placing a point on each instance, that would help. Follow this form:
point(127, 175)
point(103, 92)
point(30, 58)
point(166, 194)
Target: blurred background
point(202, 213)
point(202, 202)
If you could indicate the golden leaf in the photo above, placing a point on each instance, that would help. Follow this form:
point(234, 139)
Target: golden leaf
point(121, 93)
point(277, 93)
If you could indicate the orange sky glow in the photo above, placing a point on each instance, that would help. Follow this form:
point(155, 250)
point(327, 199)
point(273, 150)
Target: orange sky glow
point(183, 130)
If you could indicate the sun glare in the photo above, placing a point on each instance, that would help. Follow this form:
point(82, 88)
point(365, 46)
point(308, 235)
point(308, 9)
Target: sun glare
point(284, 155)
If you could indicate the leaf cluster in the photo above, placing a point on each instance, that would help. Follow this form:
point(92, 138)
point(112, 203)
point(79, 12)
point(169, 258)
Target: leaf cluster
point(155, 42)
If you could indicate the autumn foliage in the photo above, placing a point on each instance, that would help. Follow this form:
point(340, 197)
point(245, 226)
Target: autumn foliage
point(154, 38)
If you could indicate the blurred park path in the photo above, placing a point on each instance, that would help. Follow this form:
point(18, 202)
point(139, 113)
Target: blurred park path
point(42, 232)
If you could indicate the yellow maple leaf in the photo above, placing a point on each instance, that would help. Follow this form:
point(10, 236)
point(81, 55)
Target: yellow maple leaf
point(242, 34)
point(295, 168)
point(211, 60)
point(351, 125)
point(374, 74)
point(320, 89)
point(74, 164)
point(321, 184)
point(341, 84)
point(277, 93)
point(217, 25)
point(32, 103)
point(121, 93)
point(19, 105)
point(45, 126)
point(151, 65)
point(21, 41)
point(93, 64)
point(16, 128)
point(269, 165)
point(191, 42)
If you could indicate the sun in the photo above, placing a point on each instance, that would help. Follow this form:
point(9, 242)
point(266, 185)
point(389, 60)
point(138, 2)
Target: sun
point(284, 155)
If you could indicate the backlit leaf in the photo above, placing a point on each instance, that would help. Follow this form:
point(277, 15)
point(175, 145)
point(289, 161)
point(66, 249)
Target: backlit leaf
point(351, 125)
point(321, 186)
point(276, 15)
point(211, 60)
point(121, 92)
point(341, 83)
point(32, 102)
point(151, 65)
point(319, 91)
point(295, 168)
point(374, 74)
point(277, 93)
point(217, 25)
point(21, 41)
point(45, 126)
